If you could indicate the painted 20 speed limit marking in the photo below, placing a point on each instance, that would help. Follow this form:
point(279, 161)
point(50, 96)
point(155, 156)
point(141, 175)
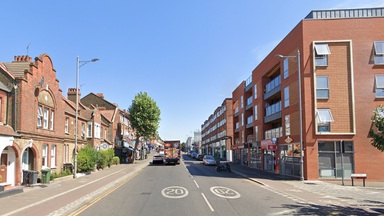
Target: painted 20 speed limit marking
point(174, 192)
point(225, 192)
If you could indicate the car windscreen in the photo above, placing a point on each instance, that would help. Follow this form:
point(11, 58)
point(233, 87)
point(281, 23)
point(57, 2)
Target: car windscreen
point(209, 157)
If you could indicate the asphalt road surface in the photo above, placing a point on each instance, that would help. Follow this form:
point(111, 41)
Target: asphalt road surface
point(187, 189)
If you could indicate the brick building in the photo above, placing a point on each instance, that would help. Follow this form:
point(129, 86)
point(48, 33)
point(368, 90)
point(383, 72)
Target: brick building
point(217, 132)
point(341, 76)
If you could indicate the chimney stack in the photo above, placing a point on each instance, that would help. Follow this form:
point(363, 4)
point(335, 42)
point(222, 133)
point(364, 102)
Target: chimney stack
point(22, 59)
point(101, 95)
point(72, 95)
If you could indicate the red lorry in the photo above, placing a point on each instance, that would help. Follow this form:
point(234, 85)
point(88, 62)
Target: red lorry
point(172, 152)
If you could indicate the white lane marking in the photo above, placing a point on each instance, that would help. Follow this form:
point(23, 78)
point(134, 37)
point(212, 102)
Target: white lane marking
point(196, 184)
point(52, 197)
point(174, 192)
point(206, 200)
point(225, 192)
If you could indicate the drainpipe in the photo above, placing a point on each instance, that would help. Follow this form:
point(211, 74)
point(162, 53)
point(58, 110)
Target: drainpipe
point(15, 87)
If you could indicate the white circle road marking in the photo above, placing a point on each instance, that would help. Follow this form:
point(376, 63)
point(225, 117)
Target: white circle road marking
point(225, 192)
point(174, 192)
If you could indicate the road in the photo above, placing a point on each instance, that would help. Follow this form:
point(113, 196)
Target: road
point(188, 189)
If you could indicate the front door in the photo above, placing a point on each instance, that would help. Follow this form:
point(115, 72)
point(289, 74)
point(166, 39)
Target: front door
point(3, 168)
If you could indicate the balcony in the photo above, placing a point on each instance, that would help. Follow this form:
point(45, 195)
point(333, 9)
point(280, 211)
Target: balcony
point(272, 88)
point(274, 133)
point(249, 122)
point(273, 112)
point(248, 84)
point(236, 112)
point(237, 127)
point(249, 103)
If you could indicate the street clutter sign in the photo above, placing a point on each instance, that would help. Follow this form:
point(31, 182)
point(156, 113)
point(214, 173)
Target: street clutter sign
point(266, 143)
point(272, 147)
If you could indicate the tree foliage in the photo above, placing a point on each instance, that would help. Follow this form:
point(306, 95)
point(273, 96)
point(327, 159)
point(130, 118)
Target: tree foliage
point(144, 116)
point(87, 158)
point(378, 119)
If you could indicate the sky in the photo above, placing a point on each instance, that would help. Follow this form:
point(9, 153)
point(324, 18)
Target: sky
point(188, 55)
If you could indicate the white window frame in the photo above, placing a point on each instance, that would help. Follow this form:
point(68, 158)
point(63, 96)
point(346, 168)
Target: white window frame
point(241, 101)
point(255, 90)
point(53, 156)
point(242, 119)
point(97, 130)
point(256, 132)
point(255, 112)
point(89, 129)
point(66, 125)
point(39, 116)
point(286, 97)
point(45, 118)
point(379, 52)
point(321, 52)
point(322, 88)
point(379, 85)
point(324, 115)
point(285, 68)
point(83, 132)
point(45, 156)
point(52, 118)
point(105, 133)
point(287, 122)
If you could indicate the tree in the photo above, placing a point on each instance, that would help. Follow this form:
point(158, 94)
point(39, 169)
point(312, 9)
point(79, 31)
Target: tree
point(378, 119)
point(182, 147)
point(144, 116)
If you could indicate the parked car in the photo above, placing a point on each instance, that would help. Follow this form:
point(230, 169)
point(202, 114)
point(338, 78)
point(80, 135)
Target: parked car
point(194, 154)
point(159, 158)
point(209, 160)
point(191, 153)
point(199, 157)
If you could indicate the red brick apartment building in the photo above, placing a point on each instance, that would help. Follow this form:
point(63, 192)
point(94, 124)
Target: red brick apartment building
point(342, 81)
point(217, 132)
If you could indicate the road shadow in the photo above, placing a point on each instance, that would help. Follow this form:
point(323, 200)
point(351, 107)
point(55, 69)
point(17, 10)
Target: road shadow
point(330, 210)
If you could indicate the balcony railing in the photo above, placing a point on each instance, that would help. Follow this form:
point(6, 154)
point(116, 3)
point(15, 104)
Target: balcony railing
point(273, 112)
point(249, 103)
point(249, 122)
point(272, 87)
point(248, 84)
point(236, 111)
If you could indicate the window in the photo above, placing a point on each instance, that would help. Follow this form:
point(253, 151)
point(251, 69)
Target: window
point(105, 133)
point(379, 52)
point(241, 101)
point(52, 116)
point(321, 55)
point(46, 113)
point(97, 130)
point(242, 119)
point(287, 121)
point(83, 129)
point(285, 68)
point(45, 152)
point(324, 127)
point(89, 129)
point(256, 133)
point(53, 156)
point(39, 116)
point(66, 125)
point(324, 115)
point(255, 90)
point(255, 112)
point(242, 136)
point(322, 88)
point(379, 85)
point(286, 97)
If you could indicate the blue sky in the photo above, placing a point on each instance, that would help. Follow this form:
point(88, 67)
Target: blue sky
point(187, 55)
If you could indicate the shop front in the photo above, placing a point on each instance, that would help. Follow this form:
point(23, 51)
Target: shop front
point(255, 155)
point(269, 155)
point(289, 159)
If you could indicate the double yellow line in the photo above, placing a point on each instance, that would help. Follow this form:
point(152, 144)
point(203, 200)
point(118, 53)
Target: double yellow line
point(78, 211)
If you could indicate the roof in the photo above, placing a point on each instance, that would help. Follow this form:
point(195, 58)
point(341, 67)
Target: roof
point(346, 13)
point(4, 88)
point(108, 114)
point(17, 68)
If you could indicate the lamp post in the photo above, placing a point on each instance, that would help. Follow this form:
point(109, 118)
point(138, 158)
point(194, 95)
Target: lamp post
point(300, 111)
point(77, 105)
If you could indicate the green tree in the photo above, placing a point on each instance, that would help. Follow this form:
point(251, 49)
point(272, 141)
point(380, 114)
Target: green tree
point(144, 116)
point(378, 120)
point(182, 147)
point(87, 158)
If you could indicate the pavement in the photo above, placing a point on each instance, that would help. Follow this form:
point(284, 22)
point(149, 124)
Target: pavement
point(370, 198)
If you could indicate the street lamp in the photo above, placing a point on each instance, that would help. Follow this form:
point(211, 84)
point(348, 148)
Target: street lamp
point(300, 112)
point(77, 104)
